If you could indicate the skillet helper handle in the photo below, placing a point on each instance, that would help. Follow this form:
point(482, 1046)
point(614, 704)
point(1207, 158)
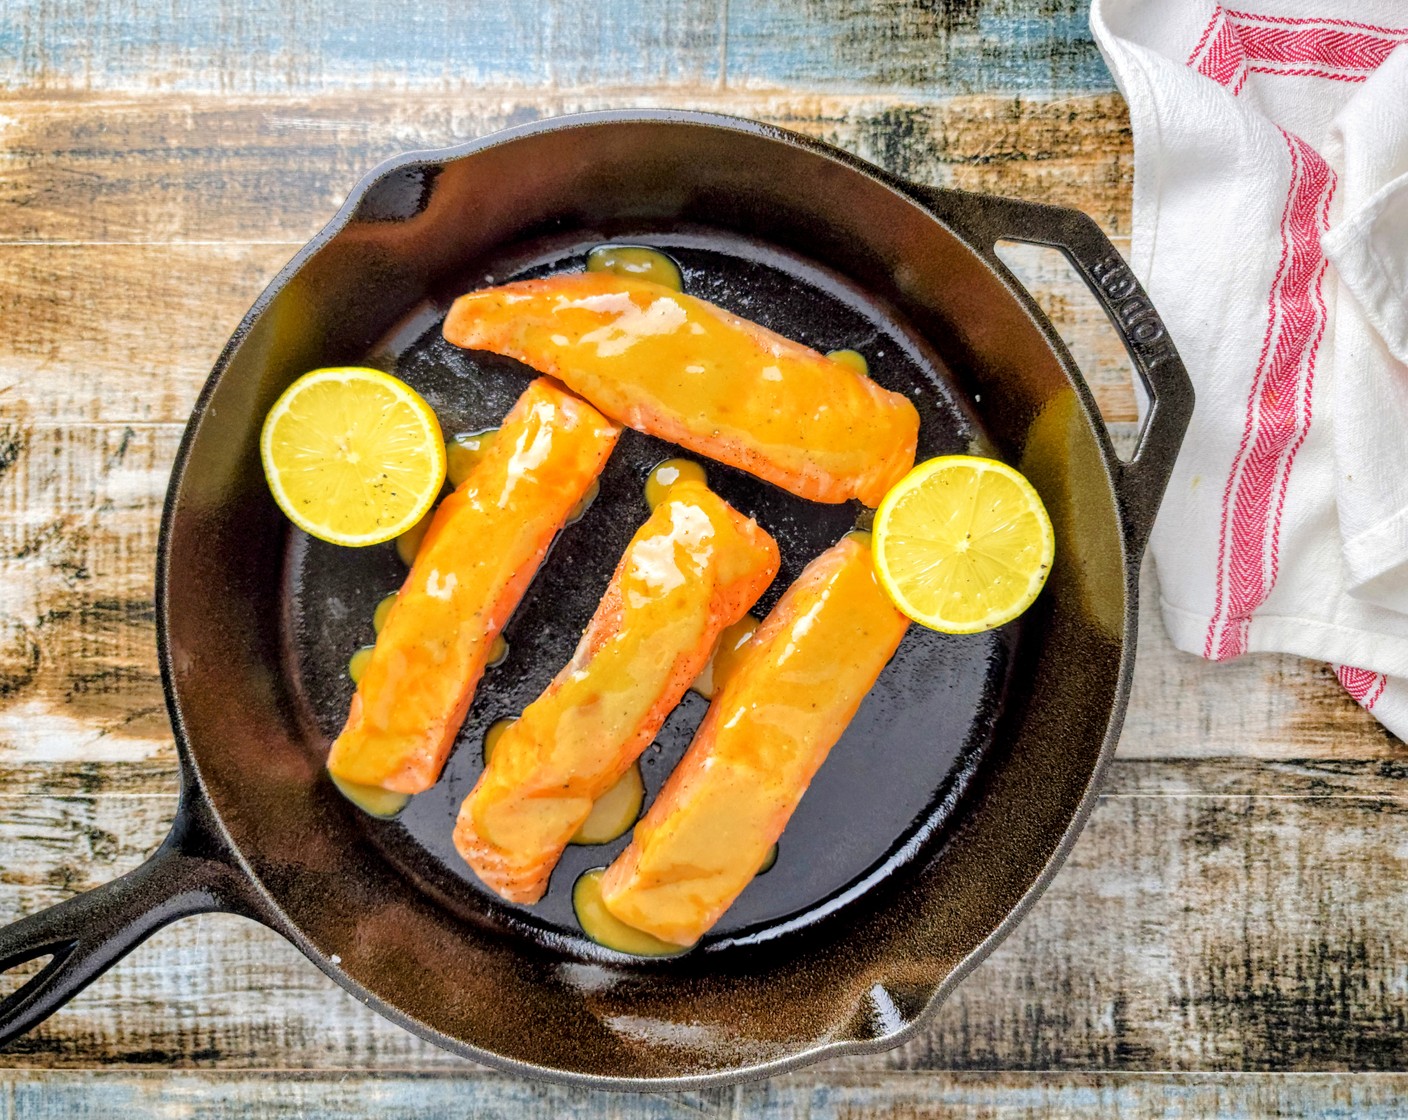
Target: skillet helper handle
point(1142, 479)
point(87, 934)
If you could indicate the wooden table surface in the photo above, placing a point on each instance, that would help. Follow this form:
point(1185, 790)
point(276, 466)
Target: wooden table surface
point(1229, 935)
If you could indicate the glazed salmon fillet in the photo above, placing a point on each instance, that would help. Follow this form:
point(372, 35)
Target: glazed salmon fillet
point(478, 557)
point(786, 703)
point(674, 366)
point(693, 568)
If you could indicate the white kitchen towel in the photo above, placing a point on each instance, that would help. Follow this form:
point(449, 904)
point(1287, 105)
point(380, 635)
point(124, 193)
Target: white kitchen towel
point(1271, 230)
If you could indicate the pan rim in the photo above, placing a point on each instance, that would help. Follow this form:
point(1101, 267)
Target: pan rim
point(273, 914)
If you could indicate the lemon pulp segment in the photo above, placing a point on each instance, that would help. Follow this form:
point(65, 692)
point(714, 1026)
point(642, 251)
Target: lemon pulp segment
point(353, 456)
point(963, 544)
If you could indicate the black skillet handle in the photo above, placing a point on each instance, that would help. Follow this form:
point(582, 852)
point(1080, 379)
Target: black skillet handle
point(986, 220)
point(190, 873)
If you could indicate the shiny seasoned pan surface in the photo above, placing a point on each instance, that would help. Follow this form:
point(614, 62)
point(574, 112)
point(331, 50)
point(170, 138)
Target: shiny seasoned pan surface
point(893, 780)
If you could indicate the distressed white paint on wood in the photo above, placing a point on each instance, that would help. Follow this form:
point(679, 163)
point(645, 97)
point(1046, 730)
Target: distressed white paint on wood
point(80, 1095)
point(1199, 932)
point(1031, 1096)
point(79, 516)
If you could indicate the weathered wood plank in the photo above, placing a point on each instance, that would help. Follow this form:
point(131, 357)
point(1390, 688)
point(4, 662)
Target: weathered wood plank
point(286, 1096)
point(280, 171)
point(92, 336)
point(1026, 1096)
point(235, 46)
point(79, 1095)
point(1235, 776)
point(262, 168)
point(1201, 933)
point(80, 697)
point(79, 686)
point(1185, 933)
point(123, 333)
point(56, 845)
point(955, 47)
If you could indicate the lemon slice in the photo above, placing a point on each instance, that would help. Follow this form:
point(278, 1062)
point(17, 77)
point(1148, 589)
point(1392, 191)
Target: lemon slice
point(352, 455)
point(962, 544)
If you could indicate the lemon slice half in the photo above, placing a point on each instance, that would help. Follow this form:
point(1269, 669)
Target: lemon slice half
point(962, 544)
point(353, 456)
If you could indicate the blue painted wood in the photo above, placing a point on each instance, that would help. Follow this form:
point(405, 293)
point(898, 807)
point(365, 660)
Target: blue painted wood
point(956, 46)
point(92, 1095)
point(1090, 1097)
point(268, 46)
point(89, 1095)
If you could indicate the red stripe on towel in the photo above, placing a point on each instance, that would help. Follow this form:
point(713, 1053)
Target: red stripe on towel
point(1278, 409)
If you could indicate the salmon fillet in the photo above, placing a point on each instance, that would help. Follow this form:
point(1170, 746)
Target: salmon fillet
point(674, 366)
point(478, 557)
point(788, 700)
point(693, 568)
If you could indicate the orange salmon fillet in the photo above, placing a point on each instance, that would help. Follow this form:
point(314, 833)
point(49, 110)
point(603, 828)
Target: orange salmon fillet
point(693, 568)
point(674, 366)
point(478, 557)
point(786, 703)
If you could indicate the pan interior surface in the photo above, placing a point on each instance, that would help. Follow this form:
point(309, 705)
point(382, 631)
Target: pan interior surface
point(898, 774)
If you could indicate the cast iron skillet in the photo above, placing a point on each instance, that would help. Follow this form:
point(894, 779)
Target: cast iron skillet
point(939, 817)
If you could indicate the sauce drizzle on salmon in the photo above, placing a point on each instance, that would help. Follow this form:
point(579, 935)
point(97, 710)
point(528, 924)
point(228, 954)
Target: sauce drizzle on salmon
point(480, 553)
point(693, 568)
point(674, 366)
point(794, 689)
